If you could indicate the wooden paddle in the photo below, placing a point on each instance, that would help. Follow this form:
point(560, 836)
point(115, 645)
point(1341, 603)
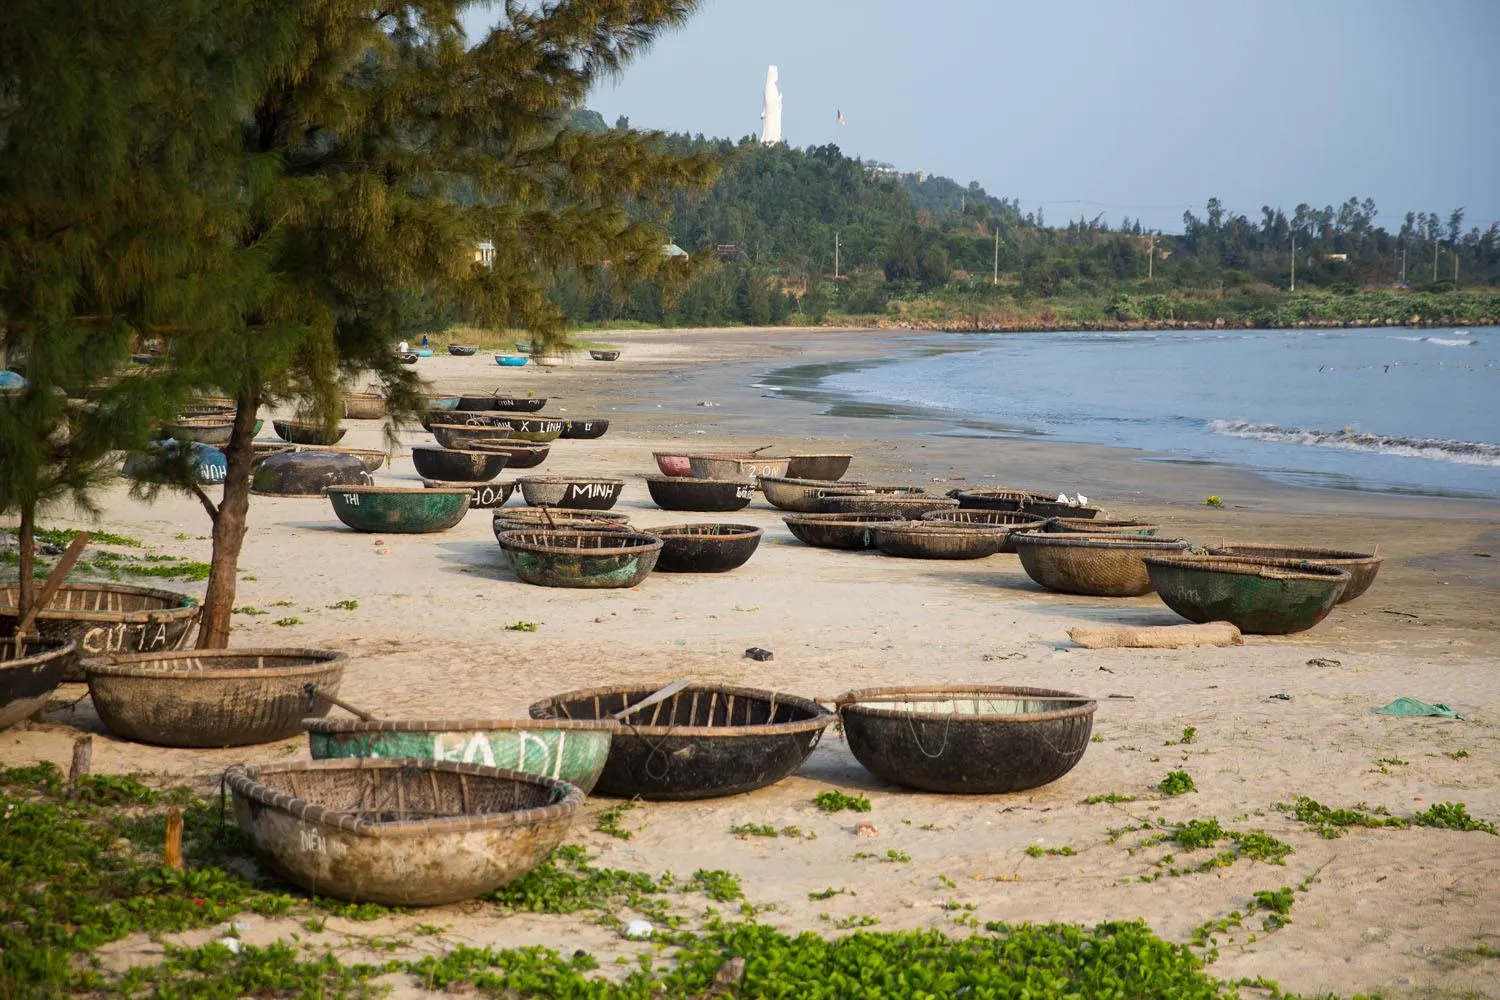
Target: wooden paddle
point(54, 582)
point(313, 692)
point(652, 699)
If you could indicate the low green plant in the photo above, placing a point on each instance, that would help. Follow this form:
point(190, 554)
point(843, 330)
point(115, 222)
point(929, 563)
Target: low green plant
point(894, 856)
point(608, 821)
point(1197, 833)
point(753, 830)
point(828, 893)
point(287, 622)
point(1038, 851)
point(1331, 822)
point(1451, 816)
point(832, 801)
point(521, 627)
point(716, 884)
point(1177, 783)
point(1189, 733)
point(1213, 501)
point(249, 609)
point(1112, 798)
point(845, 923)
point(1455, 754)
point(347, 604)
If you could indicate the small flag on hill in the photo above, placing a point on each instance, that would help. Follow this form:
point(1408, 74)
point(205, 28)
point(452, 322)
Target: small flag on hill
point(841, 118)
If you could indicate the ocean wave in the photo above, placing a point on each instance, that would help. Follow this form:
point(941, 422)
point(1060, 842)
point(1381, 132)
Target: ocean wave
point(1349, 439)
point(1450, 341)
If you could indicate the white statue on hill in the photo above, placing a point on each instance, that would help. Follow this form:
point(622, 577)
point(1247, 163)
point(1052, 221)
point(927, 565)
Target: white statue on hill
point(770, 110)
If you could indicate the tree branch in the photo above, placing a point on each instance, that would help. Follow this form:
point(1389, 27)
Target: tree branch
point(208, 505)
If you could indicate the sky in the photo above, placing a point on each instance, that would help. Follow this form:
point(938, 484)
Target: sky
point(1126, 107)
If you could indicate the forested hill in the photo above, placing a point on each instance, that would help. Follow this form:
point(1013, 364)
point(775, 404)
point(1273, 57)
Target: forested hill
point(924, 248)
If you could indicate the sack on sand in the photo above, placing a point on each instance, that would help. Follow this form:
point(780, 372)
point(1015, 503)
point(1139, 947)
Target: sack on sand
point(1156, 636)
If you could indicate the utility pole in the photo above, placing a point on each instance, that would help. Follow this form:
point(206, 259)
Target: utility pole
point(1294, 262)
point(1151, 259)
point(995, 278)
point(835, 255)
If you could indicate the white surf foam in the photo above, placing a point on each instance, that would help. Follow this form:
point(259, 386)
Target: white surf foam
point(1350, 439)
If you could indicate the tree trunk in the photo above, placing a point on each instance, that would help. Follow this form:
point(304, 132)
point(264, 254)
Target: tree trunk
point(27, 560)
point(229, 526)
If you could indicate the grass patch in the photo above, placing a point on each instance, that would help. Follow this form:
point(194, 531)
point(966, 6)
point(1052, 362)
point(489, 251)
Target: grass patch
point(1038, 851)
point(1177, 783)
point(287, 622)
point(249, 609)
point(521, 627)
point(1451, 816)
point(1111, 798)
point(608, 821)
point(1189, 733)
point(753, 830)
point(832, 801)
point(347, 604)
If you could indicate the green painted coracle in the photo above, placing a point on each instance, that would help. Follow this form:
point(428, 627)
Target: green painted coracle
point(402, 509)
point(1266, 597)
point(574, 752)
point(581, 558)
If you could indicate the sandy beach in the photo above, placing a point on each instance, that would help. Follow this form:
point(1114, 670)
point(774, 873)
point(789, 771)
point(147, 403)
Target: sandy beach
point(1402, 911)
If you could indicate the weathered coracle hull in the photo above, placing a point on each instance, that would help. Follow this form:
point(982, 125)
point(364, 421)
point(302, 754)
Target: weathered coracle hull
point(828, 467)
point(464, 418)
point(442, 402)
point(1012, 521)
point(306, 473)
point(912, 508)
point(510, 360)
point(605, 355)
point(537, 519)
point(705, 548)
point(1361, 566)
point(159, 463)
point(302, 432)
point(581, 559)
point(476, 404)
point(400, 509)
point(1092, 565)
point(400, 832)
point(463, 437)
point(463, 350)
point(537, 430)
point(1098, 526)
point(736, 466)
point(456, 466)
point(517, 404)
point(1257, 597)
point(801, 496)
point(482, 496)
point(518, 454)
point(937, 540)
point(211, 430)
point(674, 464)
point(702, 495)
point(584, 430)
point(705, 741)
point(364, 406)
point(836, 531)
point(979, 739)
point(213, 697)
point(105, 618)
point(1042, 505)
point(30, 671)
point(571, 493)
point(574, 752)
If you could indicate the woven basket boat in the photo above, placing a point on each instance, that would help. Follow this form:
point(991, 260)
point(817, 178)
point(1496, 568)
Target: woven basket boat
point(400, 832)
point(213, 697)
point(1257, 597)
point(511, 360)
point(909, 506)
point(605, 355)
point(836, 531)
point(825, 467)
point(571, 492)
point(475, 404)
point(518, 454)
point(741, 465)
point(1092, 565)
point(458, 466)
point(400, 509)
point(442, 402)
point(482, 496)
point(937, 539)
point(584, 430)
point(1043, 505)
point(1361, 566)
point(463, 350)
point(582, 559)
point(518, 404)
point(1098, 526)
point(536, 430)
point(704, 495)
point(105, 618)
point(674, 464)
point(563, 750)
point(705, 548)
point(210, 430)
point(1012, 521)
point(462, 437)
point(30, 670)
point(305, 432)
point(802, 496)
point(364, 406)
point(981, 739)
point(706, 740)
point(305, 473)
point(537, 519)
point(466, 418)
point(370, 458)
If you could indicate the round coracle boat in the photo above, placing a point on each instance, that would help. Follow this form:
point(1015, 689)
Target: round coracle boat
point(1012, 521)
point(211, 430)
point(571, 492)
point(567, 751)
point(482, 496)
point(463, 350)
point(1361, 566)
point(105, 618)
point(703, 495)
point(824, 467)
point(1257, 597)
point(462, 437)
point(442, 402)
point(584, 430)
point(837, 531)
point(409, 357)
point(457, 466)
point(674, 464)
point(706, 740)
point(736, 466)
point(539, 519)
point(400, 509)
point(977, 739)
point(536, 430)
point(1043, 505)
point(163, 462)
point(911, 507)
point(518, 454)
point(581, 559)
point(517, 404)
point(1092, 565)
point(465, 418)
point(213, 697)
point(1098, 526)
point(705, 548)
point(937, 539)
point(400, 832)
point(476, 404)
point(30, 670)
point(605, 355)
point(803, 496)
point(370, 458)
point(364, 406)
point(511, 360)
point(306, 473)
point(307, 432)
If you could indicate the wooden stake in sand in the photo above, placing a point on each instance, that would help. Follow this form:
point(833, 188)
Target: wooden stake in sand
point(83, 758)
point(171, 853)
point(1156, 636)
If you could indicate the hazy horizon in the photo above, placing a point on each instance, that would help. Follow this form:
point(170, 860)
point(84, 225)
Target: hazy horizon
point(1123, 108)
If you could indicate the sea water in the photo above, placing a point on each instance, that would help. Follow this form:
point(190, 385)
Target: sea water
point(1398, 410)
